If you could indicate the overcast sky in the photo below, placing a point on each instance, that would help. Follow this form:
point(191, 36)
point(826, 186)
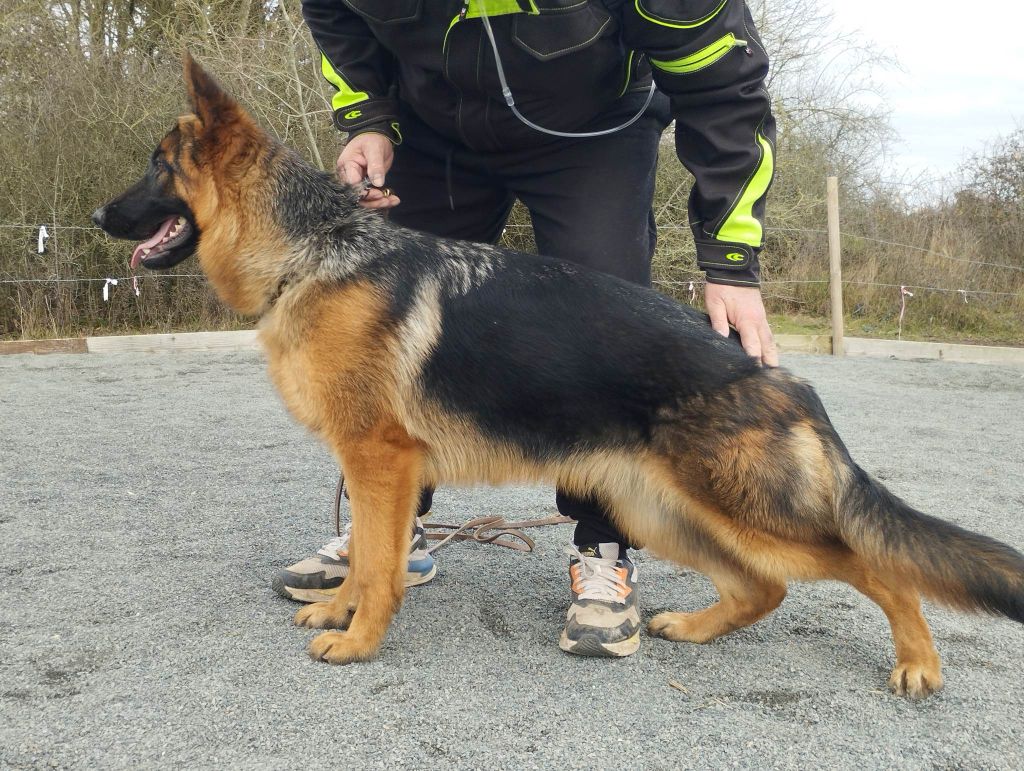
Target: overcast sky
point(962, 78)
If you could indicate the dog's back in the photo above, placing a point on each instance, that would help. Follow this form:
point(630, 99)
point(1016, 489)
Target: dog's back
point(544, 354)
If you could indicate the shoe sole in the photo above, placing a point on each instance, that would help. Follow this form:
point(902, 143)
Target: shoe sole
point(326, 595)
point(417, 579)
point(588, 646)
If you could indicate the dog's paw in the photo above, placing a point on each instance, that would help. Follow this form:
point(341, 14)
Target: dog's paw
point(916, 680)
point(340, 648)
point(680, 627)
point(322, 615)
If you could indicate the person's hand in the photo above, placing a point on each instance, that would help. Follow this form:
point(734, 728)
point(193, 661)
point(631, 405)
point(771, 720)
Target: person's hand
point(370, 156)
point(742, 307)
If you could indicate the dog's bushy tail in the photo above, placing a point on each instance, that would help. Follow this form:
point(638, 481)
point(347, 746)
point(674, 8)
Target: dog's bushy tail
point(944, 562)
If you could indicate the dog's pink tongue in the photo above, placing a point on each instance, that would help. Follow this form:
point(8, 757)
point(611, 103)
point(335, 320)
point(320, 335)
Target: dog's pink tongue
point(157, 238)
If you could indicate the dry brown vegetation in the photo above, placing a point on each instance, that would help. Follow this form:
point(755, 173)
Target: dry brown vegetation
point(86, 88)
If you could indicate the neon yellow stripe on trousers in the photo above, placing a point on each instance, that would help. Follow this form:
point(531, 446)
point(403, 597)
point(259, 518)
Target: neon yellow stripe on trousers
point(346, 95)
point(741, 226)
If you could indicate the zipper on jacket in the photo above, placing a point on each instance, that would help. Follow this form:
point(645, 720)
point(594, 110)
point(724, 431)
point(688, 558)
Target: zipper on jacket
point(705, 57)
point(445, 51)
point(629, 72)
point(460, 16)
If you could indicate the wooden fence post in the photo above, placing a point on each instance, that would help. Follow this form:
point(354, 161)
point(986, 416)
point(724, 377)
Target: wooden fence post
point(835, 272)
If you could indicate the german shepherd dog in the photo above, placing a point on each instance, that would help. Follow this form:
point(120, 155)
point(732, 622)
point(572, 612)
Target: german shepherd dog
point(421, 360)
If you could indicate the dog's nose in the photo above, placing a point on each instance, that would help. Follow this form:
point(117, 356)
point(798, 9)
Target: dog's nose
point(97, 216)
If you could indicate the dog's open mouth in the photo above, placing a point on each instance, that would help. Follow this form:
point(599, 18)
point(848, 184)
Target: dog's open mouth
point(172, 243)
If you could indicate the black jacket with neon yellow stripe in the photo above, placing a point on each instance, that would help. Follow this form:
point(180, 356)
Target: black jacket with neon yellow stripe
point(567, 62)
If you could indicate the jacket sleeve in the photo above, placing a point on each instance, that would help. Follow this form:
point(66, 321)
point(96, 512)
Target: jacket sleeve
point(707, 57)
point(357, 66)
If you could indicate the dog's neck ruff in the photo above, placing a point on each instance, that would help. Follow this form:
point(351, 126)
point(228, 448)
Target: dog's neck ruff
point(282, 285)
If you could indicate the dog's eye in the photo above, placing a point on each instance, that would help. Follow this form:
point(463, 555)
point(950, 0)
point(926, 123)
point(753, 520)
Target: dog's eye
point(160, 166)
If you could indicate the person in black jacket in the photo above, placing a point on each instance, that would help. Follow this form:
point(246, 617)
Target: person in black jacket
point(463, 107)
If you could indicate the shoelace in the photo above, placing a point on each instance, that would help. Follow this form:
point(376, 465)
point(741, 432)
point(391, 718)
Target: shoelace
point(338, 543)
point(598, 577)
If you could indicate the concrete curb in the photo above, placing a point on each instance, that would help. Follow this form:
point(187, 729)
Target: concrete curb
point(246, 340)
point(243, 340)
point(816, 344)
point(912, 349)
point(57, 345)
point(903, 349)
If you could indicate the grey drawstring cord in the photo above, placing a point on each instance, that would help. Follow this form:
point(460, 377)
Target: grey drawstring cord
point(510, 101)
point(448, 177)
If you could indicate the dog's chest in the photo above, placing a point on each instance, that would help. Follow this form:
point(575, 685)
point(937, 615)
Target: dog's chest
point(289, 372)
point(328, 360)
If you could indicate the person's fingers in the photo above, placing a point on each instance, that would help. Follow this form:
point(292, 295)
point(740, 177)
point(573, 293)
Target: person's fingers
point(749, 338)
point(382, 203)
point(769, 350)
point(354, 170)
point(375, 195)
point(719, 318)
point(376, 167)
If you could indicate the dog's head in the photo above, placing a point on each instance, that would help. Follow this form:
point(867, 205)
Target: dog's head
point(168, 209)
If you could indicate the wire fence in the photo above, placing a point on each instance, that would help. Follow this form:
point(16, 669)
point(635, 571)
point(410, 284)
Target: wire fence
point(104, 280)
point(515, 226)
point(818, 231)
point(684, 279)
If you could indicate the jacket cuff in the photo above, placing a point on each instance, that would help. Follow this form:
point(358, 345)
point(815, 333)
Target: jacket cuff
point(389, 129)
point(365, 113)
point(730, 263)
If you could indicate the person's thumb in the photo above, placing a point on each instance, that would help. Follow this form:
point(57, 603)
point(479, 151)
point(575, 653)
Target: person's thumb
point(375, 166)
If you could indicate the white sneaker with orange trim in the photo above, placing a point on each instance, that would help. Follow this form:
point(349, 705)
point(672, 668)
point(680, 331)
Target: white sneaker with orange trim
point(604, 618)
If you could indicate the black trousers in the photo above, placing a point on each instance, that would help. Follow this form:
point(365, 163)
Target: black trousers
point(589, 202)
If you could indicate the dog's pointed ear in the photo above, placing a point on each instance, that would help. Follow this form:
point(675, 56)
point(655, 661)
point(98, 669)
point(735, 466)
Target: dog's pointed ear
point(211, 104)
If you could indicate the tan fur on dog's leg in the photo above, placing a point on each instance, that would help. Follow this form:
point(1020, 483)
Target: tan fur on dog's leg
point(918, 670)
point(743, 599)
point(337, 612)
point(383, 474)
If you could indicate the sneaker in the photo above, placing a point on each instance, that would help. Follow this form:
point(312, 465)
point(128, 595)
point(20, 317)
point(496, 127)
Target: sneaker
point(603, 619)
point(317, 578)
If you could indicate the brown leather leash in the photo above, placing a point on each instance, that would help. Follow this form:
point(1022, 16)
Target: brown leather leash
point(492, 530)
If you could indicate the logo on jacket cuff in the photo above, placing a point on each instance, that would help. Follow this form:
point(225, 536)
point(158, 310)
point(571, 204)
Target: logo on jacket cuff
point(724, 255)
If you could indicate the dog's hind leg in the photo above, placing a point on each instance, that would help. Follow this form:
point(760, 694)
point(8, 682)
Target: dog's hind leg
point(743, 599)
point(918, 670)
point(383, 475)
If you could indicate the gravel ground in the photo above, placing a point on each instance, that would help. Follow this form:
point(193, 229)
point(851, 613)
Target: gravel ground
point(148, 499)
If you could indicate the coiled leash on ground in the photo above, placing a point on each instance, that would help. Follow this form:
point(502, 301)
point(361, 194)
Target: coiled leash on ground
point(493, 530)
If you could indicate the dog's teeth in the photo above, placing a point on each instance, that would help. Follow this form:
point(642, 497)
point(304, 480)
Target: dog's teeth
point(181, 220)
point(146, 251)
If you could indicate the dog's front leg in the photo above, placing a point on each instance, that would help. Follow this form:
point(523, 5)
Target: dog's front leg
point(383, 474)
